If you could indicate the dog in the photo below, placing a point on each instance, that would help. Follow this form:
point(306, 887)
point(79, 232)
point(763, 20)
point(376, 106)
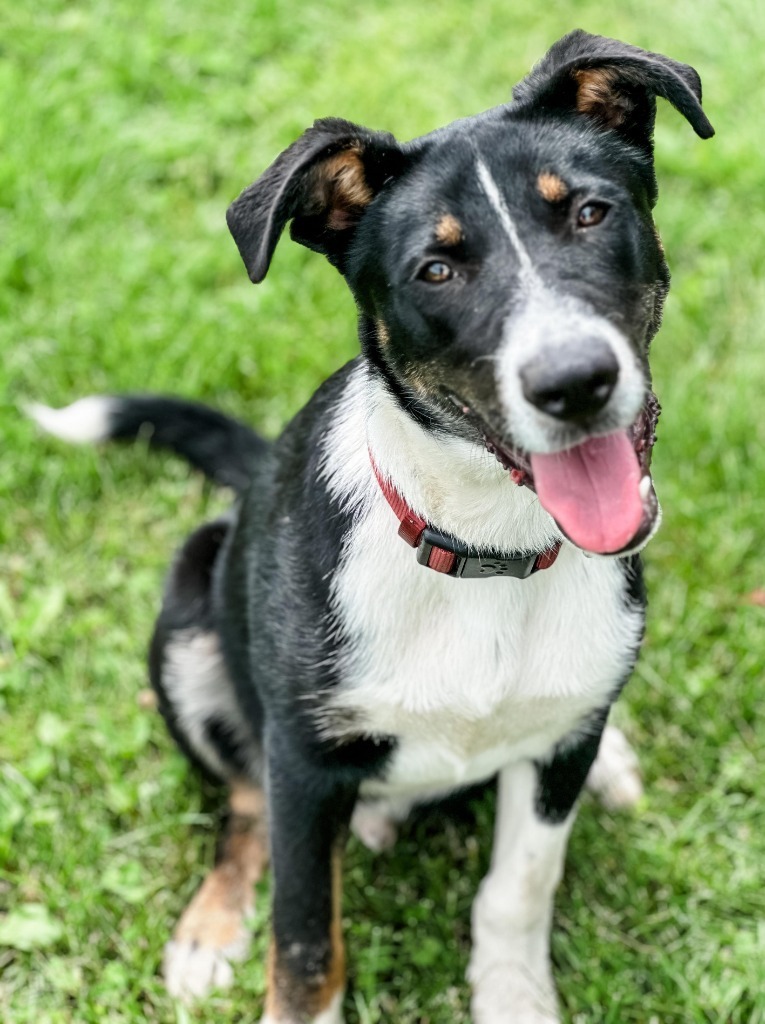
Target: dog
point(432, 576)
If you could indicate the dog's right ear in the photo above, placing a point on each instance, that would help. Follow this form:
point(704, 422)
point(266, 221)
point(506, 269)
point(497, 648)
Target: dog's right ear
point(613, 85)
point(323, 183)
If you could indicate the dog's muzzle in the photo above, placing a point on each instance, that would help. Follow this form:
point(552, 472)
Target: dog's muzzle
point(599, 492)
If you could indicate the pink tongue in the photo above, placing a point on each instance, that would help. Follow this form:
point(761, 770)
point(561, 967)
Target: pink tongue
point(592, 491)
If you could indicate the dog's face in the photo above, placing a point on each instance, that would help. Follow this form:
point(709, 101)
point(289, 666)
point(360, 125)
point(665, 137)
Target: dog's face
point(507, 271)
point(515, 272)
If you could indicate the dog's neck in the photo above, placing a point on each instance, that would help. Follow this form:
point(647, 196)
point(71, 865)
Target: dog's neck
point(458, 487)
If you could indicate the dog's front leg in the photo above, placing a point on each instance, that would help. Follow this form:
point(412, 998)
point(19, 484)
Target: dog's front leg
point(309, 812)
point(510, 963)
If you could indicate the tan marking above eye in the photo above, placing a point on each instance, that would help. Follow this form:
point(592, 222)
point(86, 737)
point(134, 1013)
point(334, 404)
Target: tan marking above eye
point(449, 230)
point(551, 187)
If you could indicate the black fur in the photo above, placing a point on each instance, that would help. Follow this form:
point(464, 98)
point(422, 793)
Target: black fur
point(222, 448)
point(560, 780)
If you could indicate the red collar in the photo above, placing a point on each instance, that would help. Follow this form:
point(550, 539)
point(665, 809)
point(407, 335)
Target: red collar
point(447, 555)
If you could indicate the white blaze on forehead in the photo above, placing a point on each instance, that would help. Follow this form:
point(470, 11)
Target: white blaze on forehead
point(492, 193)
point(546, 320)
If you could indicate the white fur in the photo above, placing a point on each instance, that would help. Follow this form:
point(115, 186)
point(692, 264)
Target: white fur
point(84, 421)
point(458, 486)
point(198, 687)
point(374, 825)
point(468, 675)
point(614, 779)
point(551, 321)
point(510, 962)
point(615, 776)
point(490, 188)
point(192, 970)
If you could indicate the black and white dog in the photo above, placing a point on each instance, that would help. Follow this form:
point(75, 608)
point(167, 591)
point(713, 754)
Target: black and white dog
point(499, 421)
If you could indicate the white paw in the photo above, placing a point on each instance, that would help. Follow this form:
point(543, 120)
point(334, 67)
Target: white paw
point(191, 970)
point(509, 994)
point(372, 825)
point(615, 776)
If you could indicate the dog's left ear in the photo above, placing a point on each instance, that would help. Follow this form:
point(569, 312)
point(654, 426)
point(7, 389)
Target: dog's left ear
point(613, 84)
point(323, 183)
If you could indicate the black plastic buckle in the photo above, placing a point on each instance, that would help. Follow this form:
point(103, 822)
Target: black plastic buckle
point(470, 566)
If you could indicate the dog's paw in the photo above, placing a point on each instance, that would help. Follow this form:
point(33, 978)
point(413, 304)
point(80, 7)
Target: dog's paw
point(211, 935)
point(192, 970)
point(508, 994)
point(615, 776)
point(374, 827)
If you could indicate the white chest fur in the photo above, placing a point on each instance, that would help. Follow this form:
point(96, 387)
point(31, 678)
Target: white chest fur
point(467, 675)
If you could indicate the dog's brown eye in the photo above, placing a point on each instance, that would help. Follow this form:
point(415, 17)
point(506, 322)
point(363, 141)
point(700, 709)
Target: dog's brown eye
point(591, 214)
point(436, 272)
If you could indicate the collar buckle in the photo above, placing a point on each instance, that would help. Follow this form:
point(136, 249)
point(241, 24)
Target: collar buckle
point(470, 566)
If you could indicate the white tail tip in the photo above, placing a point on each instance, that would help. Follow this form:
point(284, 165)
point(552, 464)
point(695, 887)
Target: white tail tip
point(85, 421)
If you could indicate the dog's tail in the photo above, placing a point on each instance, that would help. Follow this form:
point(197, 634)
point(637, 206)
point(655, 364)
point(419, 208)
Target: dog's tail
point(224, 449)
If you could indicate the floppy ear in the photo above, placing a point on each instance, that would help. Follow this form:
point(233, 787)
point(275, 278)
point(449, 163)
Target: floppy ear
point(613, 84)
point(323, 183)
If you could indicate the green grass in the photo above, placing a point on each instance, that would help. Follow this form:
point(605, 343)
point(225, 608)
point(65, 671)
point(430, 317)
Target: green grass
point(127, 129)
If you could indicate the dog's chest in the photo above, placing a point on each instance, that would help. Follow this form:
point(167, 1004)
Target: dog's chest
point(470, 675)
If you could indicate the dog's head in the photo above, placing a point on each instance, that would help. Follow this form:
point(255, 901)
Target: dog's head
point(507, 271)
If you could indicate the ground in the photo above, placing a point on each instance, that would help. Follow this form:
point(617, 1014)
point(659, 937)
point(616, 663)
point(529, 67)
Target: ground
point(127, 130)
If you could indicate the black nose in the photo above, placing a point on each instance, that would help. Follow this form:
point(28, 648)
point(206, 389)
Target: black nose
point(571, 385)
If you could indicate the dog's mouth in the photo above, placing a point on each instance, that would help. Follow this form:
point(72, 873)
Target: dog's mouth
point(599, 492)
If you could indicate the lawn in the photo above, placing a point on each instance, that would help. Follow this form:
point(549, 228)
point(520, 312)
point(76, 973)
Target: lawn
point(127, 129)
